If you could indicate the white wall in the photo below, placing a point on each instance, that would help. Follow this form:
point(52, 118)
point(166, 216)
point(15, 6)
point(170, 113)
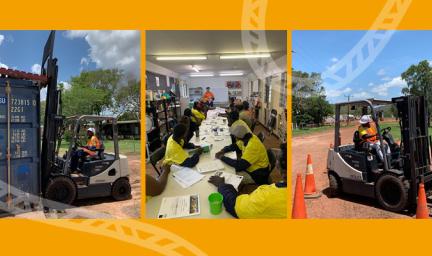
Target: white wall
point(217, 82)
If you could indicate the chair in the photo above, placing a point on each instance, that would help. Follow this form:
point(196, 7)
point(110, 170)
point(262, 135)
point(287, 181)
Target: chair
point(254, 122)
point(261, 136)
point(156, 156)
point(272, 161)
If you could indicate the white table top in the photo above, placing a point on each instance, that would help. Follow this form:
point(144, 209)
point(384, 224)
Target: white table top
point(202, 188)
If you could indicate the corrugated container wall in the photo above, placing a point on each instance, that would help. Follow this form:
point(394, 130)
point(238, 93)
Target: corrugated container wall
point(24, 136)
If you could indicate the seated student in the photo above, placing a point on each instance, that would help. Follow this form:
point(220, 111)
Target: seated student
point(245, 114)
point(197, 115)
point(190, 125)
point(266, 202)
point(155, 186)
point(253, 160)
point(175, 154)
point(234, 120)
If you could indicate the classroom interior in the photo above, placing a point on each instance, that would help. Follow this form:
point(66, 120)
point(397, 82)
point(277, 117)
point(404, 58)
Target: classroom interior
point(180, 65)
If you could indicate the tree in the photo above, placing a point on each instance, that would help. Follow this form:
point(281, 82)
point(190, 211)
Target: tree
point(128, 100)
point(82, 100)
point(309, 101)
point(105, 81)
point(419, 82)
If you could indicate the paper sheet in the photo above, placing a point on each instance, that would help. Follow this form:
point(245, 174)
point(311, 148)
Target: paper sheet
point(184, 176)
point(211, 166)
point(232, 179)
point(180, 206)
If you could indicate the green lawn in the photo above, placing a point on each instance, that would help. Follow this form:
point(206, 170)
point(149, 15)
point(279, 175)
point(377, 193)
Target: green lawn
point(126, 146)
point(395, 130)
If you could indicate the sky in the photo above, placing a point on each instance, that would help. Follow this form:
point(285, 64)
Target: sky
point(320, 51)
point(75, 50)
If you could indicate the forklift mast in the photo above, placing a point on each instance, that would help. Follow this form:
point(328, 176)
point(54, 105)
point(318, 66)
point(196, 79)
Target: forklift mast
point(53, 119)
point(415, 140)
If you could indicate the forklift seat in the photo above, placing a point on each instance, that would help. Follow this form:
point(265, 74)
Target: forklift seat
point(357, 141)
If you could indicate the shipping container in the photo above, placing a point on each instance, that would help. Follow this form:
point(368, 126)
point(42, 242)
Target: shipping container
point(19, 128)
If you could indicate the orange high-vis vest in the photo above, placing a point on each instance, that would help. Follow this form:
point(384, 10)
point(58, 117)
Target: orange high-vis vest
point(208, 95)
point(92, 142)
point(368, 131)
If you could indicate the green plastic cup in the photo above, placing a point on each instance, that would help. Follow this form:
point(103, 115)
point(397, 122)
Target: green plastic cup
point(215, 200)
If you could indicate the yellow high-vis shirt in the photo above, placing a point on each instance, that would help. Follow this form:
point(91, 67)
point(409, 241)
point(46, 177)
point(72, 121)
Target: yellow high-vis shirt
point(197, 116)
point(266, 202)
point(255, 153)
point(175, 154)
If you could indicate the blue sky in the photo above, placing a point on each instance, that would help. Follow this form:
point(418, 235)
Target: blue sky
point(317, 51)
point(75, 50)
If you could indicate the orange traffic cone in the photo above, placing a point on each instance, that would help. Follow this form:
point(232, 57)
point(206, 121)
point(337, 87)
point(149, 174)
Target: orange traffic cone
point(422, 210)
point(299, 206)
point(310, 190)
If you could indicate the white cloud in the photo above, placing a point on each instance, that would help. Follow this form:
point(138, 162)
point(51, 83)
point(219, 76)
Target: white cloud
point(113, 49)
point(382, 89)
point(333, 93)
point(370, 84)
point(36, 69)
point(386, 78)
point(381, 72)
point(334, 59)
point(2, 37)
point(2, 65)
point(84, 61)
point(66, 85)
point(362, 95)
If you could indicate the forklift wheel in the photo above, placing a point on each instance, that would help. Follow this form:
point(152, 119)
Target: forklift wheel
point(391, 193)
point(334, 185)
point(61, 189)
point(121, 190)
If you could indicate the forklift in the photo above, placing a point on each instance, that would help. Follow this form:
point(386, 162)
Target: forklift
point(355, 168)
point(106, 174)
point(103, 176)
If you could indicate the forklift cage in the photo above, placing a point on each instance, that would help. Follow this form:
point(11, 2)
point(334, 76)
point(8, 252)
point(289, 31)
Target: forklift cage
point(364, 103)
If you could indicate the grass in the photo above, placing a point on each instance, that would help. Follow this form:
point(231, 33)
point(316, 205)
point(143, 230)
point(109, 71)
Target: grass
point(125, 146)
point(395, 129)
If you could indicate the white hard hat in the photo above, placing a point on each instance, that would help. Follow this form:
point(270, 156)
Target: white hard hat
point(91, 129)
point(365, 119)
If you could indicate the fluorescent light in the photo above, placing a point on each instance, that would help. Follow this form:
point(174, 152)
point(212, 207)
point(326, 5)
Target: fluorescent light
point(231, 74)
point(245, 56)
point(201, 75)
point(182, 58)
point(195, 68)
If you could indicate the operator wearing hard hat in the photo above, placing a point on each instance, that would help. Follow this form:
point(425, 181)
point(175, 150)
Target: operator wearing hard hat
point(90, 149)
point(266, 202)
point(253, 161)
point(368, 134)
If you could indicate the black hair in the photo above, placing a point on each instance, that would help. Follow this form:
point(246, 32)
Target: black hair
point(234, 116)
point(179, 131)
point(195, 105)
point(245, 105)
point(187, 112)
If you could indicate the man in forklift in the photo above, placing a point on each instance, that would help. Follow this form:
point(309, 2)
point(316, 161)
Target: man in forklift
point(368, 134)
point(90, 149)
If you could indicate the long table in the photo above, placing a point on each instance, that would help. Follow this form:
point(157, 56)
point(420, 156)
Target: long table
point(203, 188)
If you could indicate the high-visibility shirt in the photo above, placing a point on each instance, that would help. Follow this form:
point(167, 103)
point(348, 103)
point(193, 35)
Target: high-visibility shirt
point(174, 153)
point(197, 116)
point(93, 143)
point(266, 202)
point(254, 153)
point(368, 131)
point(208, 95)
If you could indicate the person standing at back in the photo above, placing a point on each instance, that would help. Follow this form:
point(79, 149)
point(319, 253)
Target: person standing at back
point(209, 97)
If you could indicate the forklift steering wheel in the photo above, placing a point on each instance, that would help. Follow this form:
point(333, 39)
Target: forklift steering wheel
point(386, 130)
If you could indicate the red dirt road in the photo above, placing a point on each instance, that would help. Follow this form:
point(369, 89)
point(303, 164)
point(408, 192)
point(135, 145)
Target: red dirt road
point(345, 206)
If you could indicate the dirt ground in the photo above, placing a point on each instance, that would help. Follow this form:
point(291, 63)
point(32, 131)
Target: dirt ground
point(345, 206)
point(121, 209)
